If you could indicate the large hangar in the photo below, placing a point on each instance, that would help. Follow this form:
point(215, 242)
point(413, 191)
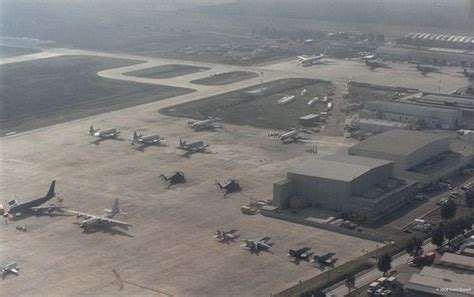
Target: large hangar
point(405, 148)
point(362, 186)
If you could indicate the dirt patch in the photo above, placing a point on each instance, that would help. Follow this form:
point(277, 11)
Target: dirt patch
point(167, 71)
point(225, 78)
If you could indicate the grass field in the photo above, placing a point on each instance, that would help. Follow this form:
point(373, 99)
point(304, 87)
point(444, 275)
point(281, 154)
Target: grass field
point(225, 78)
point(44, 92)
point(260, 111)
point(166, 71)
point(367, 92)
point(9, 51)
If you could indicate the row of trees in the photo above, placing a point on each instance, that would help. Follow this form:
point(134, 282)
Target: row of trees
point(451, 229)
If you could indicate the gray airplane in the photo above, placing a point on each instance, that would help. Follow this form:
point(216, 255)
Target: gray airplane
point(291, 136)
point(375, 64)
point(255, 245)
point(35, 206)
point(104, 133)
point(225, 235)
point(207, 124)
point(91, 222)
point(300, 254)
point(9, 268)
point(423, 68)
point(145, 140)
point(191, 148)
point(469, 74)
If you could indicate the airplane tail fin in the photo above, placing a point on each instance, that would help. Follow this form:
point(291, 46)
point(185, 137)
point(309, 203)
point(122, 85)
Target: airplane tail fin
point(115, 209)
point(465, 71)
point(91, 130)
point(51, 192)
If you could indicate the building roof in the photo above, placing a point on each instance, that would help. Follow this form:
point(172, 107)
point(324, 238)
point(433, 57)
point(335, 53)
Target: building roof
point(397, 142)
point(338, 167)
point(457, 261)
point(430, 280)
point(411, 109)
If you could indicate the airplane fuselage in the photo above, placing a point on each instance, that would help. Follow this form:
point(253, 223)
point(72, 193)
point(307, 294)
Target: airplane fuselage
point(111, 132)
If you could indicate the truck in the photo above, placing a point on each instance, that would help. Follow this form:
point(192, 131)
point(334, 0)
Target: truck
point(424, 260)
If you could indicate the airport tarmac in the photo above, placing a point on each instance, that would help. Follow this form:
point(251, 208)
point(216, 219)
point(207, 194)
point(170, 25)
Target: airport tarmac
point(170, 248)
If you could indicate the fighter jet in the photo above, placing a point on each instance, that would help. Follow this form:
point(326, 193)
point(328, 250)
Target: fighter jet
point(255, 245)
point(35, 205)
point(324, 260)
point(291, 136)
point(232, 186)
point(177, 178)
point(469, 74)
point(207, 124)
point(104, 133)
point(191, 148)
point(9, 268)
point(300, 254)
point(145, 140)
point(91, 222)
point(305, 60)
point(223, 236)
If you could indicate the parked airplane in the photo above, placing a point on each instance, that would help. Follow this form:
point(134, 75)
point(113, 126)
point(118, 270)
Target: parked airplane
point(291, 136)
point(105, 221)
point(326, 259)
point(375, 64)
point(207, 124)
point(145, 140)
point(300, 254)
point(306, 60)
point(35, 205)
point(468, 73)
point(9, 268)
point(423, 68)
point(225, 235)
point(104, 133)
point(191, 148)
point(255, 245)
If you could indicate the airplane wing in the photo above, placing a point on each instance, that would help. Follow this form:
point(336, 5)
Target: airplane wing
point(81, 214)
point(115, 222)
point(13, 270)
point(51, 207)
point(302, 250)
point(265, 245)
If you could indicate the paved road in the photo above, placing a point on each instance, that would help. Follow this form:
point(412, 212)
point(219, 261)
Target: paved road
point(373, 274)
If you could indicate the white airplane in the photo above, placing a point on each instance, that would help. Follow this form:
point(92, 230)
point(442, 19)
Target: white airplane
point(290, 136)
point(104, 133)
point(145, 139)
point(225, 235)
point(104, 221)
point(255, 245)
point(306, 60)
point(10, 268)
point(206, 124)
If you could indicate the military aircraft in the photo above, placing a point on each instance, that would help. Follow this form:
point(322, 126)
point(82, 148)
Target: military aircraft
point(225, 235)
point(177, 178)
point(232, 186)
point(290, 136)
point(423, 68)
point(145, 140)
point(35, 205)
point(375, 64)
point(300, 254)
point(326, 259)
point(255, 245)
point(207, 124)
point(104, 133)
point(106, 220)
point(191, 148)
point(9, 268)
point(469, 74)
point(306, 60)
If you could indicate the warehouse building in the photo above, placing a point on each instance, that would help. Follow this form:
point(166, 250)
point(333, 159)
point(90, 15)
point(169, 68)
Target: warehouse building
point(362, 186)
point(376, 177)
point(376, 126)
point(421, 115)
point(420, 156)
point(463, 103)
point(436, 56)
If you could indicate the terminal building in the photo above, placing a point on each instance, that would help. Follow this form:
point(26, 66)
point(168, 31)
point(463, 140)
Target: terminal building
point(376, 177)
point(421, 115)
